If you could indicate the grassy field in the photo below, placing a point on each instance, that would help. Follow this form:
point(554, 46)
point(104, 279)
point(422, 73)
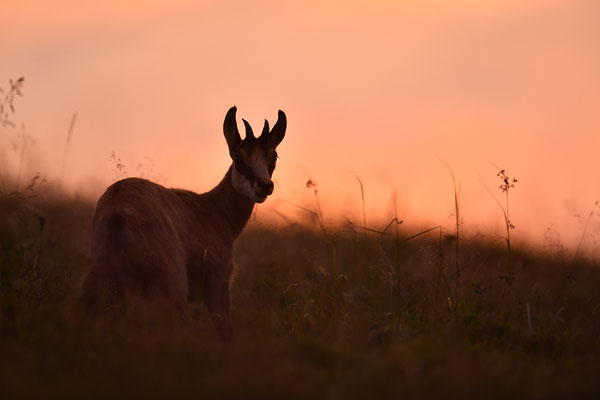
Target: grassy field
point(346, 315)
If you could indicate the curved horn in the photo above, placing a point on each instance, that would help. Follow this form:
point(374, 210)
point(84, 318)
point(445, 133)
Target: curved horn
point(249, 133)
point(278, 131)
point(232, 135)
point(265, 131)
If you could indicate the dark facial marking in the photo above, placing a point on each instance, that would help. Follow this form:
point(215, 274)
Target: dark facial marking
point(241, 157)
point(243, 168)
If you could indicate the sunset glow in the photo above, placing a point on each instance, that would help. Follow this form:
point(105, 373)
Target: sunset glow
point(381, 89)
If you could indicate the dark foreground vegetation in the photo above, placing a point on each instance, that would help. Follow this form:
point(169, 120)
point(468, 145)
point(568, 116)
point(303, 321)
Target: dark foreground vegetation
point(336, 315)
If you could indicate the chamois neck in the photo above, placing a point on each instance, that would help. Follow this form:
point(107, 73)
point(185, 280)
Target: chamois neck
point(233, 206)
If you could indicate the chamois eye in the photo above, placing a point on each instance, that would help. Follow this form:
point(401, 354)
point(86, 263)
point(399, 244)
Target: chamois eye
point(275, 157)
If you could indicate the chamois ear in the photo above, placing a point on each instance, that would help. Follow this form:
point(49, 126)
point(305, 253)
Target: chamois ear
point(278, 131)
point(232, 135)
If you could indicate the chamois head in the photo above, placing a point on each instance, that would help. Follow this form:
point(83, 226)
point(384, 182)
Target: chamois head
point(253, 158)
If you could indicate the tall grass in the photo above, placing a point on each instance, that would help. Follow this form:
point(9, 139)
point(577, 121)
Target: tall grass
point(364, 207)
point(594, 211)
point(7, 101)
point(457, 231)
point(318, 216)
point(67, 145)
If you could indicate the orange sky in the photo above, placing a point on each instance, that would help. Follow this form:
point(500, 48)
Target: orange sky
point(381, 88)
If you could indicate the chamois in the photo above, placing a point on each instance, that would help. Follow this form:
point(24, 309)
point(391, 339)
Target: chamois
point(172, 246)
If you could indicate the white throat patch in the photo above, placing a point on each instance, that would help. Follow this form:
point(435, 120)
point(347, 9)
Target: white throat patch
point(257, 165)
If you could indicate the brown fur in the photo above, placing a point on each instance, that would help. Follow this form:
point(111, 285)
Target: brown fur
point(167, 245)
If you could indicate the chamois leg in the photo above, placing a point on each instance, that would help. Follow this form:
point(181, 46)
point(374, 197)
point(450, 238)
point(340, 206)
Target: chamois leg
point(100, 291)
point(171, 289)
point(217, 300)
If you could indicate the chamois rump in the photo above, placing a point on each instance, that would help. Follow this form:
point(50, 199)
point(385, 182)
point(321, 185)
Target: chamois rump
point(172, 246)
